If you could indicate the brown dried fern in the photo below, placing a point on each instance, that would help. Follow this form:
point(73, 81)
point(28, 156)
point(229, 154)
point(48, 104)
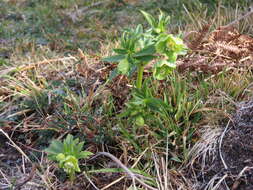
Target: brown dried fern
point(225, 34)
point(199, 38)
point(229, 48)
point(225, 47)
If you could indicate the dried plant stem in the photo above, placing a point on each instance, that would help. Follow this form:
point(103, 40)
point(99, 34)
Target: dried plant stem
point(15, 146)
point(33, 65)
point(222, 136)
point(240, 18)
point(131, 174)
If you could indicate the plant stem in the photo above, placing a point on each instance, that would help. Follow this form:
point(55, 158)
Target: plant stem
point(72, 177)
point(139, 76)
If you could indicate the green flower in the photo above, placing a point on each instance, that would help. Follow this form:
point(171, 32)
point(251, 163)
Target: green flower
point(163, 68)
point(170, 46)
point(175, 44)
point(70, 164)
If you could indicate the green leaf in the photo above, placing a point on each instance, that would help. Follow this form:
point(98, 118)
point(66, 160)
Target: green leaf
point(149, 50)
point(162, 23)
point(146, 58)
point(124, 114)
point(85, 154)
point(120, 51)
point(115, 58)
point(139, 30)
point(168, 63)
point(132, 70)
point(167, 20)
point(176, 159)
point(155, 104)
point(150, 19)
point(123, 66)
point(79, 147)
point(68, 144)
point(54, 148)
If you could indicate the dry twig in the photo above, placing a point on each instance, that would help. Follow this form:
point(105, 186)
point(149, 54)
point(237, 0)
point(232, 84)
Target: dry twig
point(120, 164)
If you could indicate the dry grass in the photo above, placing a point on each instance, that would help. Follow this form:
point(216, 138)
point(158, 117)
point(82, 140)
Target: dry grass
point(45, 94)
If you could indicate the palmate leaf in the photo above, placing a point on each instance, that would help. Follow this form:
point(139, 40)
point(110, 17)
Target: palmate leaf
point(67, 154)
point(78, 149)
point(139, 30)
point(161, 46)
point(130, 37)
point(69, 147)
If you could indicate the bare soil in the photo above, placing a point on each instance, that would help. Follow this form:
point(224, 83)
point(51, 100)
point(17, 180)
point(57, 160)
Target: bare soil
point(233, 160)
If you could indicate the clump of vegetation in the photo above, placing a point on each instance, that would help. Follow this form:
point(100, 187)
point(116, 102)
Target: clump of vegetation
point(67, 154)
point(138, 48)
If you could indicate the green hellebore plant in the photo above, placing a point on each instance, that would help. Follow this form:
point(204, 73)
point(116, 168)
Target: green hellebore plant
point(67, 154)
point(139, 47)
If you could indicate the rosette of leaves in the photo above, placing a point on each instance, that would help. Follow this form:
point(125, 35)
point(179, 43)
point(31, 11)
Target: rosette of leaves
point(139, 47)
point(67, 154)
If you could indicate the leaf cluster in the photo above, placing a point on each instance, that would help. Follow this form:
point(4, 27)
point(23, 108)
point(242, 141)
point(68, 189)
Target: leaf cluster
point(67, 154)
point(138, 47)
